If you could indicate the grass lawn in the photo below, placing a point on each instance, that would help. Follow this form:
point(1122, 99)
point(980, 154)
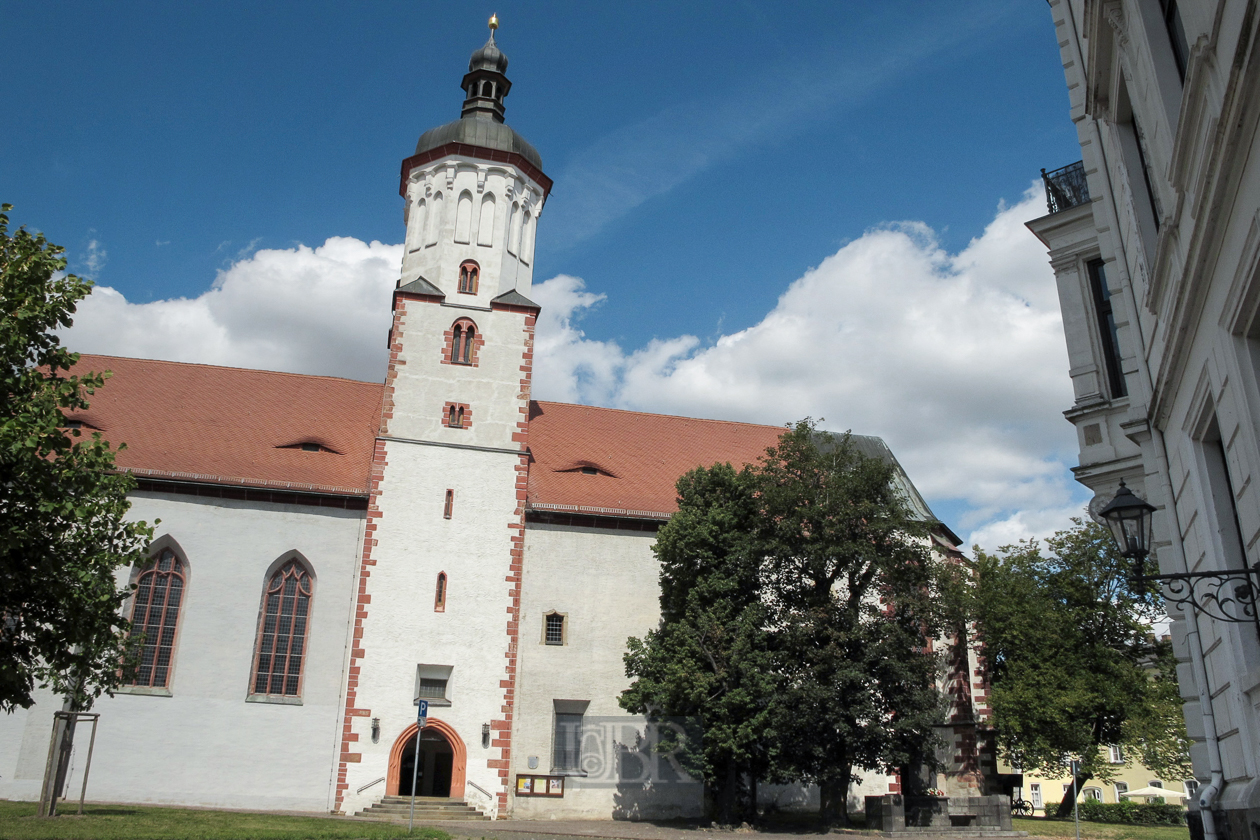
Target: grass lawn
point(138, 822)
point(1040, 827)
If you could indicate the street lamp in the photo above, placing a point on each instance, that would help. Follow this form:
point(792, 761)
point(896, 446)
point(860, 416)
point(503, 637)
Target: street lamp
point(1224, 595)
point(1130, 521)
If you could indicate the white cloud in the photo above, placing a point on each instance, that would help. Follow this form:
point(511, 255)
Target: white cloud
point(306, 310)
point(956, 360)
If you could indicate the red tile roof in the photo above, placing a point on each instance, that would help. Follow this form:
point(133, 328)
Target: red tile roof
point(229, 426)
point(639, 456)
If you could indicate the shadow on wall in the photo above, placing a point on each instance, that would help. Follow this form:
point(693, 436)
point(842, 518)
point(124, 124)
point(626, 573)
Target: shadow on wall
point(651, 785)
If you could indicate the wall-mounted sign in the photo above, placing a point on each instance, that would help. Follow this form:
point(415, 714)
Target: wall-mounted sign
point(539, 785)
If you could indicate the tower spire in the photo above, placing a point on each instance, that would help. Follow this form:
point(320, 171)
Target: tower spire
point(486, 84)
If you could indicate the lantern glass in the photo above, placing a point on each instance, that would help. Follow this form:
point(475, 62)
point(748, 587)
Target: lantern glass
point(1129, 518)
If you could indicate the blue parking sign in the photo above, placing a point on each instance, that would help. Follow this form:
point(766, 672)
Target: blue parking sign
point(422, 712)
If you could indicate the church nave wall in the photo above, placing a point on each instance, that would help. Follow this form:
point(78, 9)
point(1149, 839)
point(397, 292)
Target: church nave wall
point(206, 739)
point(606, 585)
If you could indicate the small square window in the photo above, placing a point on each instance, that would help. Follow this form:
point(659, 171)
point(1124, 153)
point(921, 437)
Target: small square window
point(553, 633)
point(432, 689)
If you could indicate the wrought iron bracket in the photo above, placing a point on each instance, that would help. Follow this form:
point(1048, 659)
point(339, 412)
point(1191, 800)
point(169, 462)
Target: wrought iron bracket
point(1229, 596)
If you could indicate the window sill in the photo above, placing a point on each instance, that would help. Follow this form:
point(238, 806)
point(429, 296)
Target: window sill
point(274, 699)
point(433, 701)
point(150, 691)
point(580, 774)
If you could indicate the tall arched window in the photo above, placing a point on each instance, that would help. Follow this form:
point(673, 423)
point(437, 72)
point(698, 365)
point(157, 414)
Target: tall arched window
point(463, 217)
point(435, 220)
point(485, 225)
point(417, 229)
point(469, 274)
point(282, 629)
point(155, 615)
point(439, 599)
point(527, 238)
point(513, 227)
point(462, 343)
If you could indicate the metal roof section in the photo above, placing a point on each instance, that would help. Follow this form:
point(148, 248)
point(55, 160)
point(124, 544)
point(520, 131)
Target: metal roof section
point(874, 447)
point(474, 131)
point(420, 286)
point(514, 298)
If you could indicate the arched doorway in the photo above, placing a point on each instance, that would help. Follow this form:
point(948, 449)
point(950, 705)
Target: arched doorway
point(443, 762)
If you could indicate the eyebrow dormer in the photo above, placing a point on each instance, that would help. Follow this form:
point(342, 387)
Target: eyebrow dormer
point(587, 468)
point(309, 446)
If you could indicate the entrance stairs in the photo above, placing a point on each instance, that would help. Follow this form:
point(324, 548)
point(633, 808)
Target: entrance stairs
point(428, 809)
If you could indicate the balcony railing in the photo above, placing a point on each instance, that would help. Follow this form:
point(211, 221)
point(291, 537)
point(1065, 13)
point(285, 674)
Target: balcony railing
point(1066, 188)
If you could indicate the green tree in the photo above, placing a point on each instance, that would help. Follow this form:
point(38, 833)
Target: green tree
point(1073, 663)
point(63, 527)
point(709, 659)
point(855, 593)
point(797, 598)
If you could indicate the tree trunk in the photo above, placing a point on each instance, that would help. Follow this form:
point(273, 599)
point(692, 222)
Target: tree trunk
point(1069, 796)
point(728, 795)
point(833, 798)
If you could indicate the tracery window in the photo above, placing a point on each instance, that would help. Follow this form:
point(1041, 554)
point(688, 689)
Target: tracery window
point(155, 615)
point(469, 274)
point(282, 631)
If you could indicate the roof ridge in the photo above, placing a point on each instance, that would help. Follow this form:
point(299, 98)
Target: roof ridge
point(230, 367)
point(666, 416)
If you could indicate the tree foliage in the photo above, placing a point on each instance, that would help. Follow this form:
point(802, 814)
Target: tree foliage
point(1073, 662)
point(63, 530)
point(797, 597)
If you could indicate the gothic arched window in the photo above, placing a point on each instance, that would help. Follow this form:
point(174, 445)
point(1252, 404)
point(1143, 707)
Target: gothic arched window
point(282, 631)
point(469, 273)
point(155, 615)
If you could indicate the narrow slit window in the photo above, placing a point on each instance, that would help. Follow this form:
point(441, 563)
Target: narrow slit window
point(155, 615)
point(450, 420)
point(439, 603)
point(468, 346)
point(449, 508)
point(282, 630)
point(1176, 36)
point(1108, 335)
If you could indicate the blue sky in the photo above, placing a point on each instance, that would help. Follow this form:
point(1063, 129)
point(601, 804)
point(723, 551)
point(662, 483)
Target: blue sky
point(706, 156)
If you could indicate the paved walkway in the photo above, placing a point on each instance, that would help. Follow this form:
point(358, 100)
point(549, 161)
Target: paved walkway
point(608, 830)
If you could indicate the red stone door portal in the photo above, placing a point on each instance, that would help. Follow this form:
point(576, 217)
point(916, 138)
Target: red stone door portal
point(442, 762)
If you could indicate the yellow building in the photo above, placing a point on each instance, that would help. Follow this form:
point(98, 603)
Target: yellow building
point(1126, 776)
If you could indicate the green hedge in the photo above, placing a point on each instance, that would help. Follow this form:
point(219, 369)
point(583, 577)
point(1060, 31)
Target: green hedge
point(1128, 812)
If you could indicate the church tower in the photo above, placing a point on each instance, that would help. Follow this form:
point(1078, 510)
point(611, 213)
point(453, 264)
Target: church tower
point(439, 579)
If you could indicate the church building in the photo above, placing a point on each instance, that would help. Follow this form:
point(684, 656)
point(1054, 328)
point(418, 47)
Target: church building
point(329, 553)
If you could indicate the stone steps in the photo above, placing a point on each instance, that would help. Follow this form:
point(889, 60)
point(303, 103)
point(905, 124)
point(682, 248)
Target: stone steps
point(428, 809)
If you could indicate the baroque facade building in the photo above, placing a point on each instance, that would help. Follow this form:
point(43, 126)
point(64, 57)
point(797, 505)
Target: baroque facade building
point(331, 553)
point(1155, 242)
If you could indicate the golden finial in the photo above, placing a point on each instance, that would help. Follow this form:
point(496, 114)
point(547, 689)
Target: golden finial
point(494, 22)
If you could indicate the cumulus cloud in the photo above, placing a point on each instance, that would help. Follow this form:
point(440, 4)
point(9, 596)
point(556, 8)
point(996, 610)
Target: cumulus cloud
point(956, 359)
point(319, 310)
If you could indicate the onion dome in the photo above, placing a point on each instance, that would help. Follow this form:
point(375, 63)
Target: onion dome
point(481, 120)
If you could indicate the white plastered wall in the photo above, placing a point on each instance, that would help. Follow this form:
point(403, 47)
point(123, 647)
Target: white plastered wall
point(413, 544)
point(435, 253)
point(205, 744)
point(606, 582)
